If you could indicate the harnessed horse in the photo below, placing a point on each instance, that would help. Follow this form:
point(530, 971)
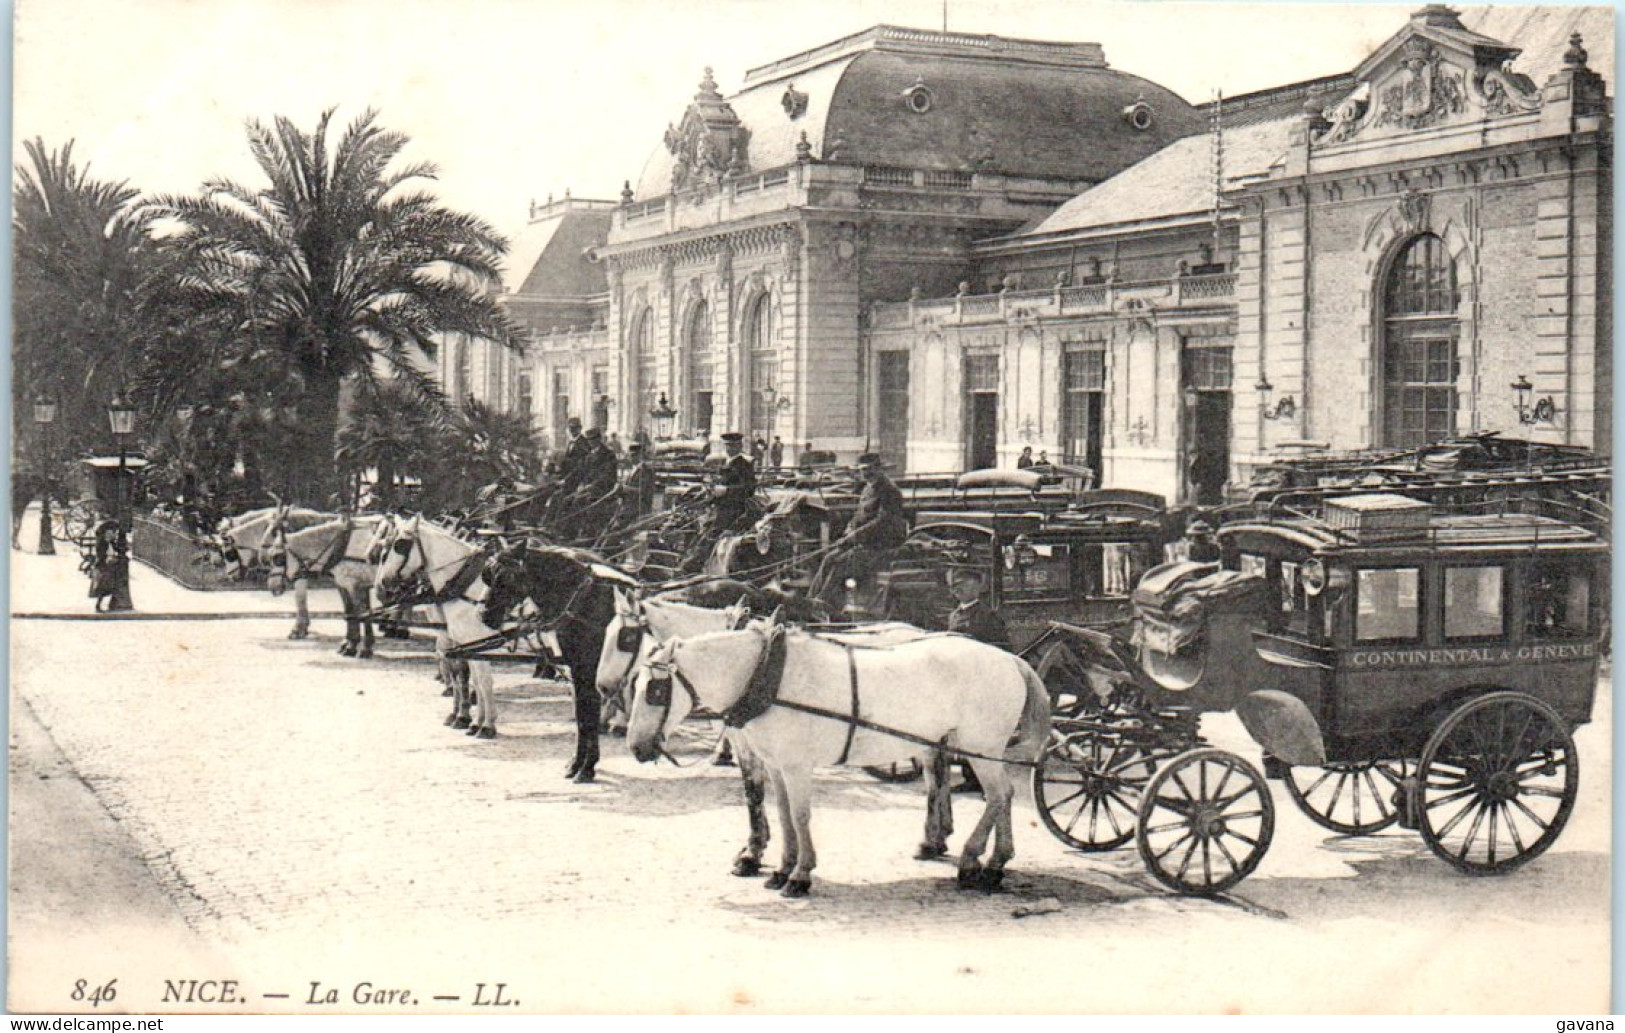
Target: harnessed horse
point(641, 624)
point(573, 594)
point(341, 547)
point(803, 708)
point(241, 542)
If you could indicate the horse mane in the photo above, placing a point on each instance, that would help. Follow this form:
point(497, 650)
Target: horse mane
point(720, 593)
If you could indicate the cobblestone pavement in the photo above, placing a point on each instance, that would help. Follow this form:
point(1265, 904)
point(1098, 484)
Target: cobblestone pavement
point(312, 820)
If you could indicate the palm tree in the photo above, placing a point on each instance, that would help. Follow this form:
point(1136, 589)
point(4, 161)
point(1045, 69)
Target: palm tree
point(390, 428)
point(90, 292)
point(339, 269)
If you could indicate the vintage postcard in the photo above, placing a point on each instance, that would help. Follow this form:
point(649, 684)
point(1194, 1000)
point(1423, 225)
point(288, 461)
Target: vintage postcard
point(881, 506)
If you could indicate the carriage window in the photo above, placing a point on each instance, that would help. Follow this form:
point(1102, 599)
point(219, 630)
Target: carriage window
point(1559, 603)
point(1388, 604)
point(1258, 566)
point(1291, 595)
point(1473, 602)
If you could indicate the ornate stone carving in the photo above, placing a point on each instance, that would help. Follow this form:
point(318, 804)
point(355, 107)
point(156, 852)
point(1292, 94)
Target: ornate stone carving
point(1414, 208)
point(1425, 92)
point(1346, 118)
point(1505, 92)
point(710, 142)
point(794, 102)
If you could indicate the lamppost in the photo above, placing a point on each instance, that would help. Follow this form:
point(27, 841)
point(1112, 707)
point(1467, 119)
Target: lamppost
point(662, 417)
point(45, 415)
point(121, 416)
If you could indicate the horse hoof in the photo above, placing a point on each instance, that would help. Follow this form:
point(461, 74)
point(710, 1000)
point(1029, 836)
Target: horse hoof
point(746, 867)
point(970, 878)
point(346, 650)
point(486, 732)
point(364, 653)
point(798, 888)
point(586, 776)
point(991, 879)
point(461, 721)
point(447, 692)
point(776, 881)
point(297, 634)
point(927, 852)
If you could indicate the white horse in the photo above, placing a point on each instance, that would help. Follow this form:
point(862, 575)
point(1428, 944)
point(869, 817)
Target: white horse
point(242, 542)
point(453, 674)
point(342, 548)
point(838, 704)
point(642, 624)
point(453, 570)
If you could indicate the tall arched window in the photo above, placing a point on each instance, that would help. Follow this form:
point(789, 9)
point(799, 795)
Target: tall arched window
point(1419, 364)
point(462, 369)
point(764, 367)
point(645, 363)
point(701, 361)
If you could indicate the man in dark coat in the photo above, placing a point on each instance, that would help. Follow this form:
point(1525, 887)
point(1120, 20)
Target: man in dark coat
point(973, 617)
point(878, 525)
point(594, 475)
point(638, 482)
point(733, 496)
point(575, 450)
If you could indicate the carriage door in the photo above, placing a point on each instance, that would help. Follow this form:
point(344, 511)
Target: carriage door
point(1206, 377)
point(982, 411)
point(892, 375)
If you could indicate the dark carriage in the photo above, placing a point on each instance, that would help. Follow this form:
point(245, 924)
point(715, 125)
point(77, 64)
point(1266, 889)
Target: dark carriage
point(1399, 664)
point(1076, 564)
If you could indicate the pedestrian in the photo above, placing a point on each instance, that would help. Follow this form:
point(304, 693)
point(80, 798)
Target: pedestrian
point(615, 445)
point(975, 618)
point(758, 452)
point(1025, 459)
point(775, 453)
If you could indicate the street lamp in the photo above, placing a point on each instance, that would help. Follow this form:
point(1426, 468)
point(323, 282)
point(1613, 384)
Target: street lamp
point(45, 415)
point(121, 416)
point(662, 416)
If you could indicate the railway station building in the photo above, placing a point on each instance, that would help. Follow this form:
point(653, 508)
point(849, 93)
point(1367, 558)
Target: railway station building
point(950, 247)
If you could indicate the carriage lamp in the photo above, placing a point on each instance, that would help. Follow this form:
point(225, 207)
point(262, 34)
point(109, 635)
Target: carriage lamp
point(1543, 410)
point(662, 416)
point(45, 415)
point(1284, 409)
point(774, 399)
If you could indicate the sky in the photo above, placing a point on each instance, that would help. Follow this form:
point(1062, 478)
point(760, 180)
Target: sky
point(515, 100)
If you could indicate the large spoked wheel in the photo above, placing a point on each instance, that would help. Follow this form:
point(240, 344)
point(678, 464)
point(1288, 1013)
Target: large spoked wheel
point(1087, 787)
point(1355, 799)
point(906, 771)
point(74, 522)
point(1497, 782)
point(1205, 821)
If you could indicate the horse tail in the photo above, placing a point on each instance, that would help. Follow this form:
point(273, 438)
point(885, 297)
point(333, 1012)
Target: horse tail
point(1035, 717)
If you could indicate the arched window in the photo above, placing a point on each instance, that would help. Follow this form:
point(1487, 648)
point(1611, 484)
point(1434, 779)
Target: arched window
point(697, 339)
point(1419, 364)
point(764, 367)
point(645, 363)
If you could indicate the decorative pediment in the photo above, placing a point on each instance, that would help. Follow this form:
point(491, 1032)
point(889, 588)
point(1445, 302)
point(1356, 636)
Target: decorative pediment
point(710, 143)
point(1434, 72)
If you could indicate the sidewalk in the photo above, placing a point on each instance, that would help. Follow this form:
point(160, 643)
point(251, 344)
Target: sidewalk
point(53, 585)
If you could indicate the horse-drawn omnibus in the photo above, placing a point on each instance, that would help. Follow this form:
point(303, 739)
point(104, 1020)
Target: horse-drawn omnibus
point(1076, 564)
point(1399, 664)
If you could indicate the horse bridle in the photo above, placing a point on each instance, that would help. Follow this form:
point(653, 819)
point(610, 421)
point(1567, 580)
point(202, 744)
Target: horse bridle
point(657, 693)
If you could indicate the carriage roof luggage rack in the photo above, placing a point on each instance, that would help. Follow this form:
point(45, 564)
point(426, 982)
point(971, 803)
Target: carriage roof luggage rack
point(1512, 522)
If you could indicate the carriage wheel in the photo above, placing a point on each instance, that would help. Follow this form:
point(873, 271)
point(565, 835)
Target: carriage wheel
point(74, 523)
point(1087, 787)
point(1496, 783)
point(907, 771)
point(1205, 821)
point(1356, 799)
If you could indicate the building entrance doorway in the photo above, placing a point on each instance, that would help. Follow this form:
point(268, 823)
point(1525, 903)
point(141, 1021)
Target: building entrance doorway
point(981, 411)
point(1207, 379)
point(892, 403)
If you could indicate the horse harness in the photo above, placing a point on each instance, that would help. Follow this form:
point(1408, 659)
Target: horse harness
point(762, 694)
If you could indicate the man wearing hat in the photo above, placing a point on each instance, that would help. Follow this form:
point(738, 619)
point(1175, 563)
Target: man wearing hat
point(593, 476)
point(638, 482)
point(879, 524)
point(733, 500)
point(973, 616)
point(575, 450)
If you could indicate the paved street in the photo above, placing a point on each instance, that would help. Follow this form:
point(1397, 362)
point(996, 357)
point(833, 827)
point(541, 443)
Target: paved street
point(264, 810)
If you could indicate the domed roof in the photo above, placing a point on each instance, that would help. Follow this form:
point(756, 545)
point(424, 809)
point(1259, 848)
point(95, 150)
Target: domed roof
point(933, 100)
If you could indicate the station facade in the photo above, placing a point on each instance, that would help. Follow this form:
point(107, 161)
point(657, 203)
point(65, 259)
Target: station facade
point(950, 248)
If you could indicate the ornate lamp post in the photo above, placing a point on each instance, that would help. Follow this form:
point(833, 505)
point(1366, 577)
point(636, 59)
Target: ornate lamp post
point(662, 416)
point(45, 415)
point(121, 416)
